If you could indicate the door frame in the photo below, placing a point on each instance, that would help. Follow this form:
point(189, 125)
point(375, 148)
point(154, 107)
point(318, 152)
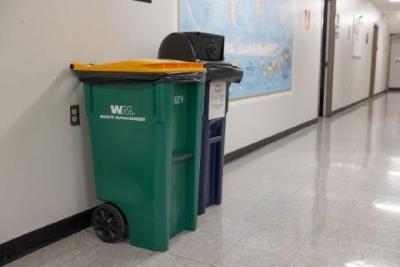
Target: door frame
point(374, 60)
point(327, 58)
point(323, 63)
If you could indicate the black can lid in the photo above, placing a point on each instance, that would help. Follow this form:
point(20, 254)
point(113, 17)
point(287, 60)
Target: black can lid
point(192, 46)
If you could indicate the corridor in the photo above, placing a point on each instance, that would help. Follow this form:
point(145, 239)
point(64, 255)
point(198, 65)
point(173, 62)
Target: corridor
point(326, 196)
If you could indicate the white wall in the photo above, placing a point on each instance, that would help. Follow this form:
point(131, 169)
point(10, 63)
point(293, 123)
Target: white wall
point(254, 119)
point(393, 20)
point(394, 76)
point(46, 172)
point(382, 61)
point(45, 164)
point(352, 76)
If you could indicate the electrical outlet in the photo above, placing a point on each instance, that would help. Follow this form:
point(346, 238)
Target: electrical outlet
point(74, 115)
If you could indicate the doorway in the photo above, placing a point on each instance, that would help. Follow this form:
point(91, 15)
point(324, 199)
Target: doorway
point(327, 58)
point(373, 63)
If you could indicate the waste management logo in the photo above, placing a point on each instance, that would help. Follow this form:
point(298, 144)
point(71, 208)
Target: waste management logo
point(122, 110)
point(122, 113)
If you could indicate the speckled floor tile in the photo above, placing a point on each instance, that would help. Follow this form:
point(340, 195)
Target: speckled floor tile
point(328, 195)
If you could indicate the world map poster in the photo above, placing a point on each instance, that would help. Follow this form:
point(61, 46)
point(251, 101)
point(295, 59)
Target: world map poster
point(258, 38)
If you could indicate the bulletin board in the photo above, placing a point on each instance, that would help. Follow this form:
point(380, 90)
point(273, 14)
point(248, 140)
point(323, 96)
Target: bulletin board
point(258, 38)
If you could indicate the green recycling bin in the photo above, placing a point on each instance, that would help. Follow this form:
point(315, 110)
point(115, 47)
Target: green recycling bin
point(145, 121)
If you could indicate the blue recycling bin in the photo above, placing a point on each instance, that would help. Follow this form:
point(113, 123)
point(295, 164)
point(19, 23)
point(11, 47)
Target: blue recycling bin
point(195, 46)
point(213, 146)
point(216, 103)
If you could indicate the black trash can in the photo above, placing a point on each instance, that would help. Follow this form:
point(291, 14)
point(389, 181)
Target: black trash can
point(194, 46)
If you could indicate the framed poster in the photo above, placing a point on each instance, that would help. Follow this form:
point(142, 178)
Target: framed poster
point(258, 38)
point(357, 37)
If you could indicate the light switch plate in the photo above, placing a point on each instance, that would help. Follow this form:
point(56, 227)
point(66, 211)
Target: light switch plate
point(74, 115)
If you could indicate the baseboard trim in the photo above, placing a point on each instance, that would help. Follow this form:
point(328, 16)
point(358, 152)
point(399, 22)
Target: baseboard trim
point(350, 106)
point(255, 146)
point(381, 93)
point(28, 243)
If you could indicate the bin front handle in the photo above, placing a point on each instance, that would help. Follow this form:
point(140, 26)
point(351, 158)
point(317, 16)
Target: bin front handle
point(216, 139)
point(181, 158)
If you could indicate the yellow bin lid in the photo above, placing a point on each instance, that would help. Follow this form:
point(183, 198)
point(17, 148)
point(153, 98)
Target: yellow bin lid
point(143, 66)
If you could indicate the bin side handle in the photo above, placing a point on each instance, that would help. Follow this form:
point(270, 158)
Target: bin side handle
point(216, 139)
point(181, 158)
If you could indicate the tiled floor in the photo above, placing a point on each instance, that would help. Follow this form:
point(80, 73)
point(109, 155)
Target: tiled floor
point(326, 196)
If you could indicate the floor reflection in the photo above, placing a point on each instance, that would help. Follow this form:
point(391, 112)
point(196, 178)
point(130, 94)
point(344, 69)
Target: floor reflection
point(323, 160)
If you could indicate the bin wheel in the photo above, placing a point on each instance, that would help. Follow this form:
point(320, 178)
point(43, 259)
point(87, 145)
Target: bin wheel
point(108, 223)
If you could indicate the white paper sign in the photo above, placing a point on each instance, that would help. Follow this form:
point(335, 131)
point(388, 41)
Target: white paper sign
point(217, 100)
point(357, 37)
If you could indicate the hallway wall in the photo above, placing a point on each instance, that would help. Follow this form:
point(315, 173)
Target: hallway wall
point(45, 164)
point(46, 172)
point(352, 75)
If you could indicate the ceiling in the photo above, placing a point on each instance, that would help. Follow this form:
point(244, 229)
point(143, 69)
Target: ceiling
point(386, 6)
point(391, 12)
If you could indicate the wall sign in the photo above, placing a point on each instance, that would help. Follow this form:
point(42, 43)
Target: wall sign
point(217, 100)
point(337, 27)
point(307, 20)
point(357, 37)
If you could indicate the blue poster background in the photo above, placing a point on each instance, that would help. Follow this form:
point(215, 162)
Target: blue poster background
point(258, 36)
